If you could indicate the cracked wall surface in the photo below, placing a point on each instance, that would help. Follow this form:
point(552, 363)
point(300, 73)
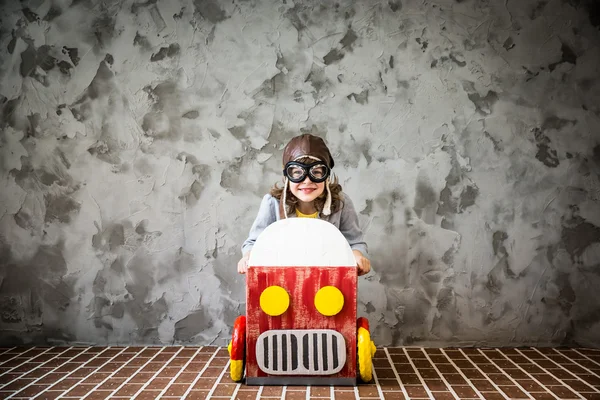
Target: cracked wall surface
point(139, 137)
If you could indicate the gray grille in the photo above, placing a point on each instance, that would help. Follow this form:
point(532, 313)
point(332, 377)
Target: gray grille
point(301, 352)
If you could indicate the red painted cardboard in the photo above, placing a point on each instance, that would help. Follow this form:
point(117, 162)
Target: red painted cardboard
point(302, 284)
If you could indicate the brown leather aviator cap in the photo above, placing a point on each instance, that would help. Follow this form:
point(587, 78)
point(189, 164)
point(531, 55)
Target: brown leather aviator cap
point(307, 145)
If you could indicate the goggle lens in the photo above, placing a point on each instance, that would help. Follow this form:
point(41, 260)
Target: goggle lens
point(295, 173)
point(318, 171)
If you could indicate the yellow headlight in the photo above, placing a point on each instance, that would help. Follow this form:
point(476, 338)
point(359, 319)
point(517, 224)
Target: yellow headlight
point(274, 300)
point(329, 300)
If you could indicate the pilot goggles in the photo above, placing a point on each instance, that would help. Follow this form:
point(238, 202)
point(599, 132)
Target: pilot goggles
point(296, 171)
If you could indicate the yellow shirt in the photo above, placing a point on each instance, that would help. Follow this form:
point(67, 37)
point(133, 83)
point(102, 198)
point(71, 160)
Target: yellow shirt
point(300, 215)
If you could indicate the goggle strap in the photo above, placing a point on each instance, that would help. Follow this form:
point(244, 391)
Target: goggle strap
point(311, 157)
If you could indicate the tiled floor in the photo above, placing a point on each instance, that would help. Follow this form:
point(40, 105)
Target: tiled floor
point(201, 373)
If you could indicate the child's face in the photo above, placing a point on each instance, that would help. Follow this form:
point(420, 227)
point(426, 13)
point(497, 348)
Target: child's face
point(307, 191)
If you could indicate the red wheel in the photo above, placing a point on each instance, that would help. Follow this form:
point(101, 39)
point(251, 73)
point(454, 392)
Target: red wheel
point(237, 349)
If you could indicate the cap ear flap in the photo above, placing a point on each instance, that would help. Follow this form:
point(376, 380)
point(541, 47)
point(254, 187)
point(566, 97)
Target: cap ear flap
point(283, 199)
point(327, 205)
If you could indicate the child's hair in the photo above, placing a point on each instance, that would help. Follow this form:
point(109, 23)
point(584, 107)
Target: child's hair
point(291, 200)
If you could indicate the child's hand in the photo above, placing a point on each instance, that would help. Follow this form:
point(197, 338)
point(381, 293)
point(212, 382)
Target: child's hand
point(362, 263)
point(243, 264)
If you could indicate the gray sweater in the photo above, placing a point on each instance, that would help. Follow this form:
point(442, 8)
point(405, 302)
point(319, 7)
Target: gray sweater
point(345, 219)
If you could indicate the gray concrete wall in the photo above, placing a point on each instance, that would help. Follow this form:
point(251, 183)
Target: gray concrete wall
point(138, 138)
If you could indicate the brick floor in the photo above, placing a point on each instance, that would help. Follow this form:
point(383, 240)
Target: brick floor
point(202, 373)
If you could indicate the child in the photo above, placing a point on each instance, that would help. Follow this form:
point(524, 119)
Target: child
point(308, 192)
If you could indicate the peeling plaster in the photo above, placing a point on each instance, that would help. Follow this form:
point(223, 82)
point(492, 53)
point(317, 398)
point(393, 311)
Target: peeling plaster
point(136, 143)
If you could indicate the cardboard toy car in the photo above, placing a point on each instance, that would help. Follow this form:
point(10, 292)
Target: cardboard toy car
point(300, 326)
